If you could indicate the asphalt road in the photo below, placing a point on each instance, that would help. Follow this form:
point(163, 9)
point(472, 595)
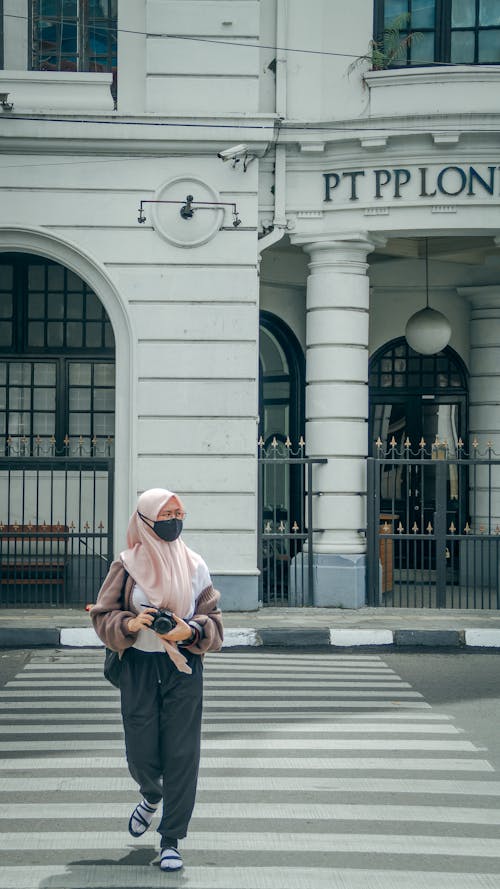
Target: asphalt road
point(320, 770)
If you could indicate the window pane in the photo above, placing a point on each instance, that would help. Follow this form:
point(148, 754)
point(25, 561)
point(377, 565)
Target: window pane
point(104, 399)
point(489, 12)
point(5, 305)
point(55, 277)
point(45, 374)
point(36, 305)
point(104, 374)
point(489, 46)
point(19, 398)
point(462, 47)
point(55, 305)
point(423, 14)
point(104, 424)
point(79, 424)
point(393, 9)
point(74, 334)
point(55, 332)
point(3, 397)
point(79, 399)
point(36, 277)
point(109, 339)
point(36, 334)
point(3, 374)
point(463, 13)
point(93, 307)
point(6, 273)
point(20, 373)
point(422, 50)
point(44, 424)
point(74, 307)
point(44, 399)
point(5, 333)
point(93, 334)
point(79, 374)
point(19, 424)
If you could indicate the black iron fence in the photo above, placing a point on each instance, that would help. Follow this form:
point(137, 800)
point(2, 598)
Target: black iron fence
point(433, 527)
point(285, 529)
point(56, 527)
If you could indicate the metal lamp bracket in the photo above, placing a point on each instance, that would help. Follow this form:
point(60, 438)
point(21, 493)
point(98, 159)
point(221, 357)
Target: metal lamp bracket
point(190, 206)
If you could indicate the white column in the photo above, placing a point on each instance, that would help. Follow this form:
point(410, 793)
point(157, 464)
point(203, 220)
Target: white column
point(484, 392)
point(337, 412)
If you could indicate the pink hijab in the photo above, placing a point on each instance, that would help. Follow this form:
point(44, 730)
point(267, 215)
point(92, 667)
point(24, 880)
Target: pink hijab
point(164, 571)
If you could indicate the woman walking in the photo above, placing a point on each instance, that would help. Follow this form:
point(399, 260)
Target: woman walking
point(161, 679)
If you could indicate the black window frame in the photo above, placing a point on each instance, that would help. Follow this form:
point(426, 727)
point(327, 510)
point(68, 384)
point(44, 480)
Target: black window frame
point(442, 35)
point(82, 23)
point(19, 351)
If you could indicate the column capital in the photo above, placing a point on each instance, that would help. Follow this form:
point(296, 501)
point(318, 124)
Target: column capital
point(343, 253)
point(482, 297)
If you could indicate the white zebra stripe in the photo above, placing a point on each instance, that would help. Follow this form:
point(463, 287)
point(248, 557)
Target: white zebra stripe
point(270, 783)
point(340, 763)
point(254, 744)
point(265, 842)
point(269, 811)
point(81, 876)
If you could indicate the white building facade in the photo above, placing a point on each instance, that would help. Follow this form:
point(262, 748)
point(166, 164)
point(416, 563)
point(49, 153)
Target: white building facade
point(179, 304)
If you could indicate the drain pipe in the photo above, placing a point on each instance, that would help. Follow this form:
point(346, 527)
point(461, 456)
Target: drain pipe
point(279, 219)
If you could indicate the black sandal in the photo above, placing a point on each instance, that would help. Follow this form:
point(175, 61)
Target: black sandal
point(140, 817)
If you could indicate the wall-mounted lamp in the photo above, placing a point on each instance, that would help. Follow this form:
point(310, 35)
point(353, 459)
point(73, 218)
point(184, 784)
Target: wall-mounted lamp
point(189, 206)
point(428, 331)
point(4, 102)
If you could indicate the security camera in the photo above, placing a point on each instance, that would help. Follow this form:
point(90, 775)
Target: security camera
point(234, 152)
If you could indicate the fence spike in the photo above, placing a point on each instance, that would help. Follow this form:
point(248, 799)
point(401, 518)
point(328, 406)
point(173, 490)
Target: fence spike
point(393, 442)
point(274, 443)
point(386, 528)
point(482, 529)
point(288, 443)
point(281, 526)
point(467, 528)
point(407, 443)
point(267, 528)
point(378, 443)
point(400, 528)
point(452, 528)
point(475, 443)
point(415, 528)
point(295, 527)
point(460, 444)
point(429, 528)
point(302, 443)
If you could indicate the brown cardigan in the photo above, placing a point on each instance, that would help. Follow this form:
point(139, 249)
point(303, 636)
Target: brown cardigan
point(110, 616)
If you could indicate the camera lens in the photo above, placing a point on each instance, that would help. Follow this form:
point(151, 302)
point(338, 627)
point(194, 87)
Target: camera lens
point(163, 623)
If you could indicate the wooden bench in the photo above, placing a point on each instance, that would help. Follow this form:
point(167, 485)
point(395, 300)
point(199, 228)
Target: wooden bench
point(33, 556)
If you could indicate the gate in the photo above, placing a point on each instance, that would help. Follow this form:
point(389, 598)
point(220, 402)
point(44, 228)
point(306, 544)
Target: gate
point(434, 527)
point(56, 529)
point(285, 524)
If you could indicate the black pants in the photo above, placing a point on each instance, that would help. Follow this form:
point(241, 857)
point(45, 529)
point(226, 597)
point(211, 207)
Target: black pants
point(161, 710)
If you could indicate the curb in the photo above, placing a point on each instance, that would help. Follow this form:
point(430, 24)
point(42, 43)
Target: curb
point(278, 637)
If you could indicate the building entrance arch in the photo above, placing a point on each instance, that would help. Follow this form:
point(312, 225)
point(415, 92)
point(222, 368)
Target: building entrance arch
point(98, 296)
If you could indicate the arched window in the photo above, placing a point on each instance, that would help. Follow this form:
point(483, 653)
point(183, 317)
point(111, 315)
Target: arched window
point(57, 370)
point(282, 381)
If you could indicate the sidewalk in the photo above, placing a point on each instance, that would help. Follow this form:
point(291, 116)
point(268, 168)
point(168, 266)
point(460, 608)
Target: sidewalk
point(366, 628)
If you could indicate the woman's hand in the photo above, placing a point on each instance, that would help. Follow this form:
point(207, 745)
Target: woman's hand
point(180, 632)
point(142, 621)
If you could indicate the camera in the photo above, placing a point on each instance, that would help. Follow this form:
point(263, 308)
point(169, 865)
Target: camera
point(236, 151)
point(163, 621)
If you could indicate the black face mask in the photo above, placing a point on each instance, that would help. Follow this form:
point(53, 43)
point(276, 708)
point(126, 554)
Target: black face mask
point(168, 529)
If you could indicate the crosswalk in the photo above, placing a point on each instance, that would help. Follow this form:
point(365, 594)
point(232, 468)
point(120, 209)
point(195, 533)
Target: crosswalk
point(318, 771)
